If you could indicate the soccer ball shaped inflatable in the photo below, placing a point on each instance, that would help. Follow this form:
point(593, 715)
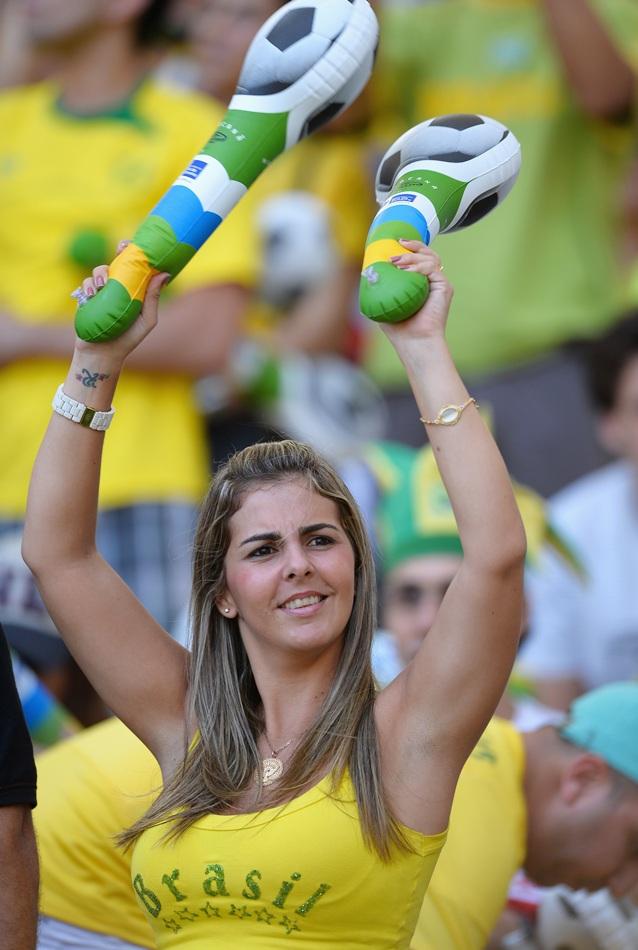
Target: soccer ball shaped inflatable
point(329, 402)
point(441, 176)
point(578, 920)
point(306, 64)
point(299, 249)
point(296, 44)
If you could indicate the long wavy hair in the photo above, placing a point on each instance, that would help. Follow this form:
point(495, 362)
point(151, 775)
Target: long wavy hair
point(223, 697)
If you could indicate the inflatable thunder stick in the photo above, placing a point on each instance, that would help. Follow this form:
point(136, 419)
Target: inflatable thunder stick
point(442, 175)
point(306, 64)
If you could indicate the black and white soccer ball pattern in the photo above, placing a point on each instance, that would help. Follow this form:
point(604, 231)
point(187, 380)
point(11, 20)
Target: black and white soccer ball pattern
point(471, 148)
point(291, 46)
point(330, 403)
point(577, 920)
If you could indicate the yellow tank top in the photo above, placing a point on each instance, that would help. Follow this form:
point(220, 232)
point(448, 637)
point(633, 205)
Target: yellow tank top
point(298, 873)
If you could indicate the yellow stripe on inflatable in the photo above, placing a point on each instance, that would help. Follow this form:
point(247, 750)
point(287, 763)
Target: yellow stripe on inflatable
point(382, 250)
point(131, 269)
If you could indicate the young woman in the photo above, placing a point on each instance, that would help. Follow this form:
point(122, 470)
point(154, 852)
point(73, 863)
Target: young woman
point(299, 804)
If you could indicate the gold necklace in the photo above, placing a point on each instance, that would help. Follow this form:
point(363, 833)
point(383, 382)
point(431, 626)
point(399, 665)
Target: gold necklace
point(272, 766)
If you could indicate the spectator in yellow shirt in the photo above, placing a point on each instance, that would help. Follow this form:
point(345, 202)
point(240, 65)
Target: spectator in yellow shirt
point(88, 155)
point(560, 802)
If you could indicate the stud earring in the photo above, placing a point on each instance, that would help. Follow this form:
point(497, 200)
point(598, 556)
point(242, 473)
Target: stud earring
point(226, 610)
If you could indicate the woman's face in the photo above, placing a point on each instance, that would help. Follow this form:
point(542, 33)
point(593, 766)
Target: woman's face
point(289, 571)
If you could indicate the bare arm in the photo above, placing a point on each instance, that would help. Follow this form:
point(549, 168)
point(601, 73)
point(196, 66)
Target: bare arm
point(135, 666)
point(195, 337)
point(444, 699)
point(601, 80)
point(319, 322)
point(18, 878)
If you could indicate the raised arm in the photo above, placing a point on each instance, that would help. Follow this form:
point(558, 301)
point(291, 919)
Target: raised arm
point(602, 81)
point(439, 706)
point(138, 670)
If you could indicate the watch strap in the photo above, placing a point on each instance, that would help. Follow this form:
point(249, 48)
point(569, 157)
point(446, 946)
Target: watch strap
point(76, 411)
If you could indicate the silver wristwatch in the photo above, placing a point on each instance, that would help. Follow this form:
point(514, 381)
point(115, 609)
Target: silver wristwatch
point(79, 412)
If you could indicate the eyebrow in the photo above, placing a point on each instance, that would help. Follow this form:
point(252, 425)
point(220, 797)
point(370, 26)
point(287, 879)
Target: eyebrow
point(275, 536)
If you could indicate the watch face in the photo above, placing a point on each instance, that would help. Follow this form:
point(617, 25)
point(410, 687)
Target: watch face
point(87, 418)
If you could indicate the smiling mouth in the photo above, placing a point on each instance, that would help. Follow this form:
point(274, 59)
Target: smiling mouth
point(296, 603)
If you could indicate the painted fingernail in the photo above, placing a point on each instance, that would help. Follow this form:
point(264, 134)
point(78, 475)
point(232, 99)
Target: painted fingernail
point(99, 282)
point(90, 292)
point(397, 257)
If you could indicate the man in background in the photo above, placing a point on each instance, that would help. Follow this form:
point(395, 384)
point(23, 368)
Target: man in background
point(560, 802)
point(584, 634)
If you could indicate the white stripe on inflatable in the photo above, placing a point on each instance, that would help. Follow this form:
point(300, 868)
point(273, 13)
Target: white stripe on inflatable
point(207, 178)
point(225, 201)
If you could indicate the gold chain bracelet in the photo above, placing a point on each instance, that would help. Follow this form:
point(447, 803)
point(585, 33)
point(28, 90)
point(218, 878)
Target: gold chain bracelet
point(449, 415)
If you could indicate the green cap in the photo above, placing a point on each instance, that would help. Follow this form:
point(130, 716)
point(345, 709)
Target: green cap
point(414, 514)
point(605, 722)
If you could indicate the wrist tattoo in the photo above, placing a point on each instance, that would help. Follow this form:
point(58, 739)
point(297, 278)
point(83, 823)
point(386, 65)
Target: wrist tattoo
point(90, 380)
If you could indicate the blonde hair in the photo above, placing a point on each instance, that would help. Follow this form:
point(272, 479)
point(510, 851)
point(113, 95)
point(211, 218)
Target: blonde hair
point(224, 700)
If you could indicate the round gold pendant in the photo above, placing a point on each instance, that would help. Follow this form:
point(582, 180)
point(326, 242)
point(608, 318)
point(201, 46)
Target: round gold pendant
point(272, 769)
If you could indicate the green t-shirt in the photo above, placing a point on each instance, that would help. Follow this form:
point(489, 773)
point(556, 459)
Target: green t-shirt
point(542, 268)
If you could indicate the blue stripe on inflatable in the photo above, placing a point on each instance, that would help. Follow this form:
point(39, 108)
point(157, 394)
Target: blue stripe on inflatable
point(202, 229)
point(403, 213)
point(183, 211)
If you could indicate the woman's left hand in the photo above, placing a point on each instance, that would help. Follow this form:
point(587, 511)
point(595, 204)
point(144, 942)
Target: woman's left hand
point(429, 322)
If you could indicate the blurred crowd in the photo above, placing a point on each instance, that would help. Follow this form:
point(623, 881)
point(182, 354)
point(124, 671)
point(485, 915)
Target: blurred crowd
point(103, 104)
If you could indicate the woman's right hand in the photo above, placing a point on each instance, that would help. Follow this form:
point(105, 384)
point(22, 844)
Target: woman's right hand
point(430, 321)
point(118, 349)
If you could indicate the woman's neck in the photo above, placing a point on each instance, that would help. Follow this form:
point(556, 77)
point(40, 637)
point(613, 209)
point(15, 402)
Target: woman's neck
point(290, 708)
point(292, 696)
